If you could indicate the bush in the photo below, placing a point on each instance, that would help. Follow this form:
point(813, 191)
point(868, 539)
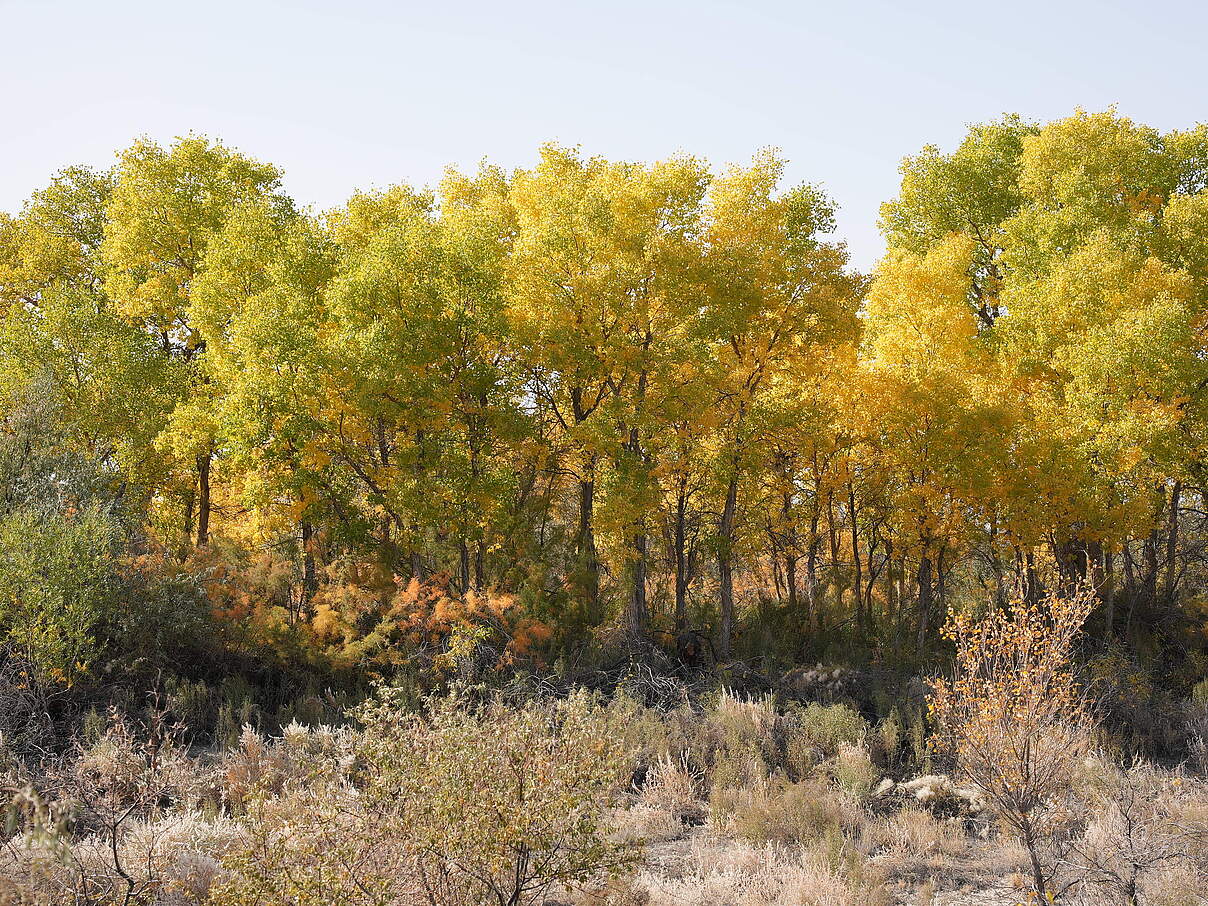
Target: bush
point(57, 590)
point(852, 769)
point(1013, 717)
point(830, 727)
point(790, 813)
point(740, 741)
point(818, 732)
point(674, 788)
point(497, 804)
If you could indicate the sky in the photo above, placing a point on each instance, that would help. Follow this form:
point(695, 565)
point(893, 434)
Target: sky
point(361, 95)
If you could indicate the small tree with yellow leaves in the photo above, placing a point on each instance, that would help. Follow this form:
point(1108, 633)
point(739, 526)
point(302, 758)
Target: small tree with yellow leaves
point(1012, 715)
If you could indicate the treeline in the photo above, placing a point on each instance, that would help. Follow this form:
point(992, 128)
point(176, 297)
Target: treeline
point(590, 393)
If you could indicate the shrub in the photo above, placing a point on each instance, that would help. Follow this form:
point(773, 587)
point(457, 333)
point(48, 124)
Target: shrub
point(673, 787)
point(853, 771)
point(317, 843)
point(497, 804)
point(730, 872)
point(830, 727)
point(57, 589)
point(789, 813)
point(887, 739)
point(643, 731)
point(91, 830)
point(741, 741)
point(1012, 716)
point(1143, 828)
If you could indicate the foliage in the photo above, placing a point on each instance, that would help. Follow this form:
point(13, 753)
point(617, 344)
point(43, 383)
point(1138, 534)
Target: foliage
point(58, 590)
point(623, 419)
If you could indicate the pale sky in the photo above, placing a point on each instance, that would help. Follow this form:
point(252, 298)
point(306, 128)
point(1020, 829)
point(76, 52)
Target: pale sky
point(361, 94)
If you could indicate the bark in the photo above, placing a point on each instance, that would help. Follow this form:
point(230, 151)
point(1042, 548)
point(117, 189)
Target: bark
point(203, 498)
point(1130, 575)
point(639, 617)
point(479, 567)
point(310, 582)
point(811, 573)
point(463, 564)
point(790, 552)
point(925, 599)
point(1172, 544)
point(586, 544)
point(891, 598)
point(724, 566)
point(1000, 596)
point(855, 554)
point(186, 543)
point(1109, 596)
point(681, 559)
point(1038, 881)
point(790, 582)
point(833, 538)
point(777, 566)
point(1149, 551)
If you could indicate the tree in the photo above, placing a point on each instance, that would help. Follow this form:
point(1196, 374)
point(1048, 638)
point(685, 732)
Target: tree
point(777, 293)
point(61, 335)
point(970, 193)
point(165, 208)
point(592, 301)
point(1105, 323)
point(260, 302)
point(926, 407)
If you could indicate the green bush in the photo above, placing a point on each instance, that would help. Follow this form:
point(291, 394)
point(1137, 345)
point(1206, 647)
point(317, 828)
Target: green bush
point(853, 770)
point(818, 732)
point(58, 589)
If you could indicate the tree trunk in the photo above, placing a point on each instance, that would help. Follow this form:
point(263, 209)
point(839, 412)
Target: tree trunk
point(891, 598)
point(1000, 596)
point(724, 568)
point(681, 558)
point(1150, 553)
point(186, 543)
point(858, 580)
point(463, 564)
point(1109, 596)
point(588, 560)
point(833, 538)
point(790, 551)
point(639, 618)
point(924, 586)
point(1134, 590)
point(310, 582)
point(790, 582)
point(203, 498)
point(1038, 881)
point(1172, 544)
point(1032, 580)
point(777, 566)
point(811, 573)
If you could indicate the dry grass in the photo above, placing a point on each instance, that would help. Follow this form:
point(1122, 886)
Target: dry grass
point(726, 871)
point(728, 816)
